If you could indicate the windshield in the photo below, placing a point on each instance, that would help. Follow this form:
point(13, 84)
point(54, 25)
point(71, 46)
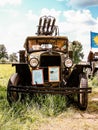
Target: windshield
point(44, 43)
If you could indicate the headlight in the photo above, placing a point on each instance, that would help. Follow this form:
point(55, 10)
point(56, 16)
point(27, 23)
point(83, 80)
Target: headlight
point(33, 62)
point(68, 62)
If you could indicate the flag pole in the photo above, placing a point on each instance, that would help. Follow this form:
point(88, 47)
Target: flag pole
point(90, 40)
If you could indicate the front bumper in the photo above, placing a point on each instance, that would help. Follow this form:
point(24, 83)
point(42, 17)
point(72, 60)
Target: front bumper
point(49, 90)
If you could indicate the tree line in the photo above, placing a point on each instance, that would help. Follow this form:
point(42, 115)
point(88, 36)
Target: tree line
point(5, 57)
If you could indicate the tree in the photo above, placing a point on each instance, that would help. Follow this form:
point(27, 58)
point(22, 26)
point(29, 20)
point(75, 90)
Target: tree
point(3, 52)
point(13, 57)
point(77, 51)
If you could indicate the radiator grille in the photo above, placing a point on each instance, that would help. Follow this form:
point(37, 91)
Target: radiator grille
point(49, 60)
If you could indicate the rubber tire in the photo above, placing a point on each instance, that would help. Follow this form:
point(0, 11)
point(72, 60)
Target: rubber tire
point(13, 97)
point(83, 97)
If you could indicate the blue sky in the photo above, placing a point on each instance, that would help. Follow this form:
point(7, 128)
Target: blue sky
point(19, 19)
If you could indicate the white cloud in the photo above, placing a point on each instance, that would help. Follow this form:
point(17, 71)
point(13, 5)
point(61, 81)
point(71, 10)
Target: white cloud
point(52, 12)
point(31, 16)
point(83, 16)
point(76, 25)
point(13, 37)
point(10, 2)
point(82, 3)
point(77, 21)
point(10, 12)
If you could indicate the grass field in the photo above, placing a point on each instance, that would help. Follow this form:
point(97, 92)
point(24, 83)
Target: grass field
point(30, 116)
point(20, 116)
point(25, 116)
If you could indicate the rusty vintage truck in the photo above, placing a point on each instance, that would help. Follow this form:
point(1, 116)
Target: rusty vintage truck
point(46, 67)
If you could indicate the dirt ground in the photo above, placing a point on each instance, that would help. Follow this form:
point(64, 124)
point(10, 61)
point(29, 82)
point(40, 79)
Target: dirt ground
point(78, 121)
point(74, 119)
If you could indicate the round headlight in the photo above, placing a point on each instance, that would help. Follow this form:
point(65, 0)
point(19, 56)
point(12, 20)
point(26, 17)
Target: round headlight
point(33, 62)
point(68, 62)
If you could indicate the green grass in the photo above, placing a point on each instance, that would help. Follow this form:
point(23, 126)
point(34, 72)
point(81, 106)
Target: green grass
point(92, 104)
point(6, 70)
point(24, 116)
point(29, 115)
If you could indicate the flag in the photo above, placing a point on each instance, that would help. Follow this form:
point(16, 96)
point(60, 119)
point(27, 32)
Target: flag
point(94, 40)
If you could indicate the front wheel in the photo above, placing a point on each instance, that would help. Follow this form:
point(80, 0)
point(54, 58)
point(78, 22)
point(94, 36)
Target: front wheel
point(13, 97)
point(83, 97)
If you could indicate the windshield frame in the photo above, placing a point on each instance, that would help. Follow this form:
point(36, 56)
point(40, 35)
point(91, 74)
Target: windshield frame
point(57, 42)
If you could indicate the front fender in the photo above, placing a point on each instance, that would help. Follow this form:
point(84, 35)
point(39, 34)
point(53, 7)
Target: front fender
point(73, 80)
point(24, 73)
